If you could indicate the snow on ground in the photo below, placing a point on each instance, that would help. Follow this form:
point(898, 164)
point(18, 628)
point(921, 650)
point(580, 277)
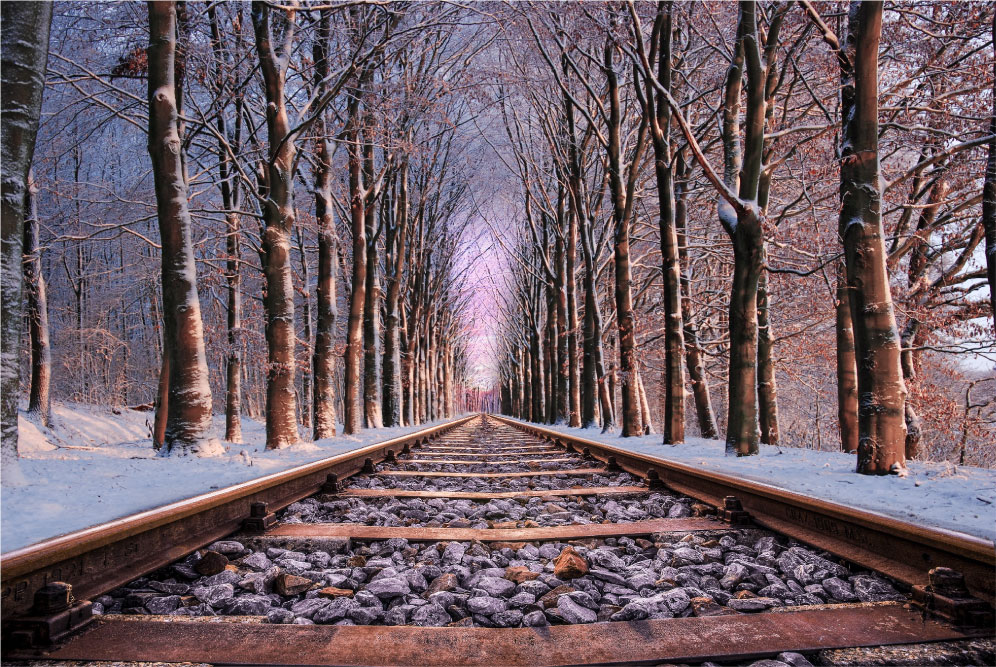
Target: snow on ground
point(958, 498)
point(97, 464)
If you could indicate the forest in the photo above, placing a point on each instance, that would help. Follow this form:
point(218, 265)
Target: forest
point(768, 223)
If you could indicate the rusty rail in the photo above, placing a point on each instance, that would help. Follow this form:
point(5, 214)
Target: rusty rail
point(903, 551)
point(98, 559)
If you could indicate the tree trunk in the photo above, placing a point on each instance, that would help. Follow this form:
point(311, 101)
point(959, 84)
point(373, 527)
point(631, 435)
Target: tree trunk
point(352, 419)
point(323, 361)
point(279, 218)
point(396, 246)
point(371, 304)
point(693, 353)
point(188, 419)
point(658, 113)
point(989, 196)
point(767, 404)
point(742, 424)
point(563, 360)
point(882, 392)
point(231, 201)
point(162, 402)
point(37, 310)
point(631, 422)
point(847, 372)
point(23, 57)
point(306, 398)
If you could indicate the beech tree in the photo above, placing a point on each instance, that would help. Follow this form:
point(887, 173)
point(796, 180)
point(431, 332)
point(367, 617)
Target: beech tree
point(189, 413)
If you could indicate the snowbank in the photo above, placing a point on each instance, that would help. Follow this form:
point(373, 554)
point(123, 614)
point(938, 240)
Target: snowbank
point(97, 464)
point(959, 498)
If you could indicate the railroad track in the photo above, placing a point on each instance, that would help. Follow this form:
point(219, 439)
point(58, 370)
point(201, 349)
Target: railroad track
point(487, 541)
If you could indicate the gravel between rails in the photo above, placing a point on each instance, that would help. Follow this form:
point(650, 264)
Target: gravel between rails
point(500, 584)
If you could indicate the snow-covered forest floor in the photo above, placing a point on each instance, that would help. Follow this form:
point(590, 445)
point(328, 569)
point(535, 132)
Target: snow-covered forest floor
point(97, 464)
point(958, 498)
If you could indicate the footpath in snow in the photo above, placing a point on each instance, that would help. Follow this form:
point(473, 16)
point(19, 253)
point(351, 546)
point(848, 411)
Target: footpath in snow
point(958, 498)
point(97, 464)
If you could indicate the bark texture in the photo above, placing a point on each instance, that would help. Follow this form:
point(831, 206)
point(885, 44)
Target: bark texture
point(881, 390)
point(37, 310)
point(188, 419)
point(279, 217)
point(323, 360)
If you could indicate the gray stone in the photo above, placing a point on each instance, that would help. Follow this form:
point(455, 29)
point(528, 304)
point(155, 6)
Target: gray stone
point(280, 616)
point(223, 577)
point(365, 615)
point(431, 615)
point(676, 599)
point(388, 588)
point(751, 604)
point(228, 548)
point(248, 605)
point(507, 619)
point(607, 576)
point(397, 615)
point(308, 608)
point(495, 586)
point(794, 659)
point(873, 589)
point(572, 612)
point(486, 605)
point(163, 605)
point(637, 610)
point(839, 590)
point(214, 595)
point(335, 610)
point(535, 619)
point(453, 553)
point(522, 599)
point(256, 561)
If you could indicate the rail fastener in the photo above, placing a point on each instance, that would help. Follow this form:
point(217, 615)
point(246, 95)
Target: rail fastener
point(55, 615)
point(260, 519)
point(947, 596)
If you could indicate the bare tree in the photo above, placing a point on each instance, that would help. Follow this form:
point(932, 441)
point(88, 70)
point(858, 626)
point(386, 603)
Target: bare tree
point(881, 390)
point(37, 310)
point(188, 418)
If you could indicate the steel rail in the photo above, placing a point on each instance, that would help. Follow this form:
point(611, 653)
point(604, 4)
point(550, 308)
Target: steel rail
point(904, 551)
point(100, 558)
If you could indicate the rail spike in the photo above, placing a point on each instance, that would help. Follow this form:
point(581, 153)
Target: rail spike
point(734, 513)
point(260, 519)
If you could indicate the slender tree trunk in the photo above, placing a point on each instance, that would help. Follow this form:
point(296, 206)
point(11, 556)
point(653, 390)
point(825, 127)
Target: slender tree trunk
point(882, 392)
point(563, 360)
point(397, 242)
point(648, 426)
point(231, 200)
point(371, 306)
point(658, 113)
point(352, 419)
point(631, 422)
point(767, 391)
point(279, 218)
point(989, 195)
point(847, 372)
point(188, 419)
point(699, 381)
point(306, 397)
point(37, 310)
point(162, 401)
point(23, 57)
point(323, 361)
